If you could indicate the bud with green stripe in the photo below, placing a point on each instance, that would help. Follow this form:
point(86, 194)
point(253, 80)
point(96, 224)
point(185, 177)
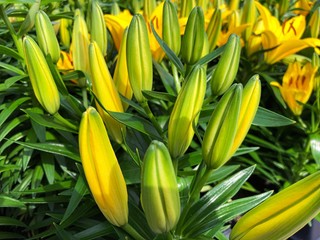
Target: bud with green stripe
point(41, 78)
point(139, 58)
point(159, 189)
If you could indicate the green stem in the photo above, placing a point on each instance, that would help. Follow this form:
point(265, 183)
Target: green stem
point(17, 40)
point(196, 186)
point(132, 232)
point(176, 78)
point(85, 97)
point(65, 121)
point(152, 117)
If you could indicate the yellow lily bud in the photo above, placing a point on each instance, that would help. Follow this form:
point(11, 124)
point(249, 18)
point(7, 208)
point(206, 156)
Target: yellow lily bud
point(106, 92)
point(40, 76)
point(214, 28)
point(233, 5)
point(139, 58)
point(171, 27)
point(159, 189)
point(248, 17)
point(120, 76)
point(185, 112)
point(227, 68)
point(314, 23)
point(64, 32)
point(102, 169)
point(249, 106)
point(46, 36)
point(283, 214)
point(80, 45)
point(193, 38)
point(98, 29)
point(221, 130)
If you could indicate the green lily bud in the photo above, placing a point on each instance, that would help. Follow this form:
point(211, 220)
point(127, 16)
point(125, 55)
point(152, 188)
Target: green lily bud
point(193, 38)
point(98, 29)
point(248, 17)
point(106, 92)
point(185, 112)
point(171, 27)
point(159, 189)
point(46, 36)
point(139, 58)
point(214, 29)
point(41, 78)
point(186, 7)
point(233, 5)
point(316, 64)
point(203, 4)
point(80, 45)
point(148, 8)
point(102, 169)
point(64, 30)
point(283, 7)
point(314, 23)
point(249, 106)
point(221, 130)
point(120, 76)
point(283, 214)
point(227, 68)
point(115, 9)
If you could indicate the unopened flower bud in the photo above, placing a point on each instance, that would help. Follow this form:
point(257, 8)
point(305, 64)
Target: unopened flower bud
point(185, 112)
point(98, 29)
point(227, 68)
point(283, 214)
point(102, 169)
point(214, 29)
point(171, 27)
point(106, 92)
point(46, 36)
point(41, 78)
point(194, 37)
point(314, 23)
point(159, 189)
point(139, 58)
point(248, 17)
point(221, 129)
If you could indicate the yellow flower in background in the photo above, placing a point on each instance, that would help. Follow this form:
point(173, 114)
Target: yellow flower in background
point(65, 62)
point(297, 85)
point(118, 23)
point(280, 41)
point(302, 7)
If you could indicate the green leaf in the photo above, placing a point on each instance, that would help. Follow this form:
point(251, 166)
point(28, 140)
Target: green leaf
point(6, 201)
point(315, 147)
point(267, 118)
point(10, 107)
point(217, 218)
point(48, 121)
point(98, 230)
point(8, 221)
point(210, 56)
point(50, 188)
point(8, 167)
point(12, 69)
point(171, 55)
point(151, 95)
point(17, 1)
point(63, 234)
point(66, 150)
point(79, 191)
point(166, 78)
point(9, 82)
point(48, 166)
point(136, 122)
point(9, 51)
point(8, 127)
point(213, 199)
point(245, 150)
point(10, 235)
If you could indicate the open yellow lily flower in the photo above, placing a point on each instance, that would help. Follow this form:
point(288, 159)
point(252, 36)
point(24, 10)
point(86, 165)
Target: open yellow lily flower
point(65, 62)
point(297, 85)
point(117, 24)
point(280, 41)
